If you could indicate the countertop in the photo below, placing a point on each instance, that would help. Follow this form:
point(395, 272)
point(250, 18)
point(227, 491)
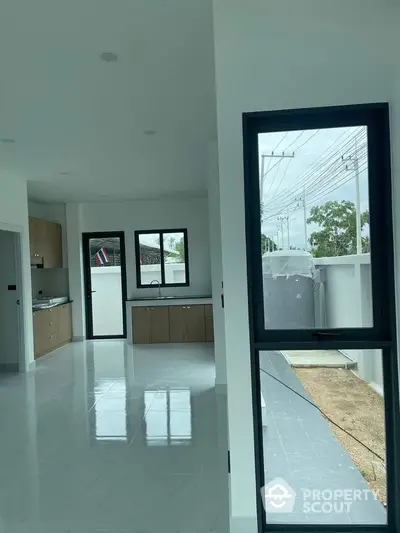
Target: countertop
point(42, 307)
point(151, 298)
point(168, 301)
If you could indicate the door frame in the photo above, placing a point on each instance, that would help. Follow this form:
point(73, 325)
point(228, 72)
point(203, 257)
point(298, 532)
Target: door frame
point(88, 282)
point(18, 233)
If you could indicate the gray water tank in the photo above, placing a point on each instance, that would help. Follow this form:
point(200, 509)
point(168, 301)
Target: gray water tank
point(288, 286)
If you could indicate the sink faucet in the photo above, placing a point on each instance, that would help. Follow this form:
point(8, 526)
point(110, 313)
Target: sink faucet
point(159, 286)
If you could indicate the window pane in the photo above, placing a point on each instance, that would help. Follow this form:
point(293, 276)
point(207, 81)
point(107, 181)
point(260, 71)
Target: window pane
point(315, 228)
point(314, 471)
point(174, 257)
point(150, 258)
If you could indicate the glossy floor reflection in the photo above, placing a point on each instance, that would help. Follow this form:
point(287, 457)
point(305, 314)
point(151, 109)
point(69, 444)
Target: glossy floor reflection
point(102, 437)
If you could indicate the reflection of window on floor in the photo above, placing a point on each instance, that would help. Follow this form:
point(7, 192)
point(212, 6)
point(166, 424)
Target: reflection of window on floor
point(111, 415)
point(168, 417)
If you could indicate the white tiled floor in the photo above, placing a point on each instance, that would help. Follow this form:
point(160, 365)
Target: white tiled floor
point(102, 437)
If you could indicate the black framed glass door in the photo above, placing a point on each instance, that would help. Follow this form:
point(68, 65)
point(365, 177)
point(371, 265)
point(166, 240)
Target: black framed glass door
point(322, 316)
point(105, 284)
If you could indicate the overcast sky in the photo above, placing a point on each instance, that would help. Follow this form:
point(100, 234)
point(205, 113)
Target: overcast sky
point(283, 182)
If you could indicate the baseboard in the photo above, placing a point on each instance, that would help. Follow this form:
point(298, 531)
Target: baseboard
point(9, 368)
point(78, 339)
point(221, 388)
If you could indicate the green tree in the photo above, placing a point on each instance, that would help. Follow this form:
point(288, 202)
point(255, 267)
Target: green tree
point(337, 233)
point(267, 244)
point(180, 248)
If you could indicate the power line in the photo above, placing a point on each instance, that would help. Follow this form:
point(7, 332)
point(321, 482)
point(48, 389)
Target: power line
point(329, 173)
point(283, 138)
point(298, 137)
point(283, 177)
point(325, 415)
point(307, 176)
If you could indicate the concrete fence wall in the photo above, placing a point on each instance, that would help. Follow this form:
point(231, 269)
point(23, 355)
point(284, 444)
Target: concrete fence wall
point(106, 300)
point(344, 299)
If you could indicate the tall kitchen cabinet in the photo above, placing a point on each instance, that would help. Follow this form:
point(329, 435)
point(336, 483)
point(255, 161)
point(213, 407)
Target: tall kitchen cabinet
point(45, 241)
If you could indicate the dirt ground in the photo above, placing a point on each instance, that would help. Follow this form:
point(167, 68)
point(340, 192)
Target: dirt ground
point(355, 406)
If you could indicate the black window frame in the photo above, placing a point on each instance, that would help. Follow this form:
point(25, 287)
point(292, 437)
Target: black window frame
point(161, 233)
point(381, 336)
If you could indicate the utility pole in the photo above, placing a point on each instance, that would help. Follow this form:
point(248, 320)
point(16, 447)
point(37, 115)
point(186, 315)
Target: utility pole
point(279, 229)
point(272, 155)
point(284, 219)
point(302, 203)
point(355, 168)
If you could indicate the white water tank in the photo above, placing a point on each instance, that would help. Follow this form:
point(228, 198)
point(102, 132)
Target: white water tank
point(288, 285)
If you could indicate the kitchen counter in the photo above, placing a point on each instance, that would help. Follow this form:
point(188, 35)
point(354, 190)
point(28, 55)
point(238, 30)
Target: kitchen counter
point(188, 297)
point(169, 300)
point(41, 307)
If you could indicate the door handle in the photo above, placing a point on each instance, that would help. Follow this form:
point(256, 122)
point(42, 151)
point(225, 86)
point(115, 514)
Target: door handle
point(93, 291)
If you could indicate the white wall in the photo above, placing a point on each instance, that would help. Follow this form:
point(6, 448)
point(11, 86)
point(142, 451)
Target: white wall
point(191, 214)
point(279, 55)
point(75, 268)
point(216, 267)
point(346, 298)
point(14, 216)
point(51, 281)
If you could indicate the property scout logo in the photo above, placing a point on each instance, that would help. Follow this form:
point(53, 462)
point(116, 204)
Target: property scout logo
point(279, 497)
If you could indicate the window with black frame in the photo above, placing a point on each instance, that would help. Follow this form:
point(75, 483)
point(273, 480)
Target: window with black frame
point(321, 292)
point(162, 258)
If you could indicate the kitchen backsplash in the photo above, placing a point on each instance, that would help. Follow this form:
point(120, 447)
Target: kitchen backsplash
point(51, 281)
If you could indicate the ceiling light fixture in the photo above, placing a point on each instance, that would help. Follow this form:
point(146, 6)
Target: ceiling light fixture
point(8, 141)
point(109, 57)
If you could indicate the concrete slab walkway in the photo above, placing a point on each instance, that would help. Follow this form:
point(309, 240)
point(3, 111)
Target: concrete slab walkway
point(324, 358)
point(300, 447)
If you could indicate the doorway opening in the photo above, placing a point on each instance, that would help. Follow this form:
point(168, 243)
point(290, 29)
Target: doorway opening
point(105, 284)
point(11, 319)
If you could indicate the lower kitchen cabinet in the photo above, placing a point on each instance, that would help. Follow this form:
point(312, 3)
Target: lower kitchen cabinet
point(51, 328)
point(141, 325)
point(209, 323)
point(150, 325)
point(175, 323)
point(195, 323)
point(159, 325)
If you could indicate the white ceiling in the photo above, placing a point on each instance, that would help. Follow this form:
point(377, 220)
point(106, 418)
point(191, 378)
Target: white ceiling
point(70, 112)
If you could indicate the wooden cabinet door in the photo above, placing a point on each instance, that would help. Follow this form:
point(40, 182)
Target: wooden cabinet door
point(141, 325)
point(209, 329)
point(177, 323)
point(39, 333)
point(159, 325)
point(36, 240)
point(64, 323)
point(52, 253)
point(195, 323)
